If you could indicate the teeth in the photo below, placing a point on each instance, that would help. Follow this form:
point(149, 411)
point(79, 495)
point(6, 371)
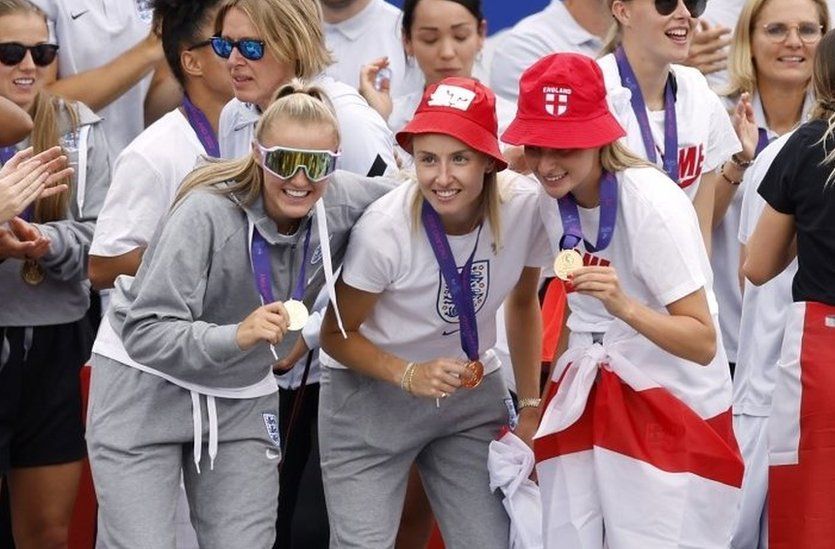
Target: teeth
point(24, 81)
point(296, 194)
point(792, 59)
point(553, 178)
point(446, 194)
point(678, 33)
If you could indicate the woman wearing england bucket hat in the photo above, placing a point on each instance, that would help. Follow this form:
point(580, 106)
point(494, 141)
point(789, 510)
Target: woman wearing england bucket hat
point(628, 245)
point(415, 382)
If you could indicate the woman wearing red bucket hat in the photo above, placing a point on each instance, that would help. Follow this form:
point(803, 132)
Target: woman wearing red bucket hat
point(415, 380)
point(635, 447)
point(671, 116)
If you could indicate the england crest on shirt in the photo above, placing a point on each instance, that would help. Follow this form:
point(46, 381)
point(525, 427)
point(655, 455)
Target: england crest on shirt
point(479, 285)
point(271, 423)
point(145, 10)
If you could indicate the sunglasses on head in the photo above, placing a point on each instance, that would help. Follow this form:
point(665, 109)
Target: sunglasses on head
point(284, 162)
point(12, 53)
point(695, 7)
point(250, 48)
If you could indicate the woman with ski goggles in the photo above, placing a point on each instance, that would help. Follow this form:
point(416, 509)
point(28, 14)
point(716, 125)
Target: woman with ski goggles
point(671, 116)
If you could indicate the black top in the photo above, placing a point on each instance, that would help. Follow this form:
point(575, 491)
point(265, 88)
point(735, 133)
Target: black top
point(796, 184)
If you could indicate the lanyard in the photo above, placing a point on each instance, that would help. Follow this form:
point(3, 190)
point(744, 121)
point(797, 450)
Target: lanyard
point(261, 267)
point(570, 216)
point(762, 142)
point(458, 283)
point(628, 78)
point(201, 126)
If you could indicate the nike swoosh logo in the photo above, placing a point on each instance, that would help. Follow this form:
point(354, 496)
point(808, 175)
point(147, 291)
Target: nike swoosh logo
point(273, 454)
point(450, 332)
point(75, 16)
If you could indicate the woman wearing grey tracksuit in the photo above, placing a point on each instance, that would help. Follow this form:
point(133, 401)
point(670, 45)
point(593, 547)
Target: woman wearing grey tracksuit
point(196, 393)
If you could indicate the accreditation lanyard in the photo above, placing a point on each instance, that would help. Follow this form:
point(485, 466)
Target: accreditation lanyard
point(570, 216)
point(201, 126)
point(628, 78)
point(458, 283)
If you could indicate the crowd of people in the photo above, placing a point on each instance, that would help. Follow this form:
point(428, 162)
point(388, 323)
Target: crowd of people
point(326, 250)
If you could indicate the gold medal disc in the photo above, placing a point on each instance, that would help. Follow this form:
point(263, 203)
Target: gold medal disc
point(298, 314)
point(566, 262)
point(475, 369)
point(31, 272)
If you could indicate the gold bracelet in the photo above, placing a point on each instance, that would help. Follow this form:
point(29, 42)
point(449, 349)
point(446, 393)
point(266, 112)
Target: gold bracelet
point(529, 403)
point(411, 376)
point(405, 376)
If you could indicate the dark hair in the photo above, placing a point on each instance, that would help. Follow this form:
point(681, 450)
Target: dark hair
point(178, 24)
point(409, 6)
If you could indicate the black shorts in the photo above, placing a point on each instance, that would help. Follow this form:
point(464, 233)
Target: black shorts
point(40, 394)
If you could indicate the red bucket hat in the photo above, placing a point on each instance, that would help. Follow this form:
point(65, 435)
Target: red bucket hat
point(462, 108)
point(562, 105)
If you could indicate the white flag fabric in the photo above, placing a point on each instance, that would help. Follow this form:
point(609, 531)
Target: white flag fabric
point(623, 463)
point(510, 462)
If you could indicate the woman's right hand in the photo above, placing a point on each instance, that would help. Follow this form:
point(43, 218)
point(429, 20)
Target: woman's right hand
point(267, 324)
point(438, 378)
point(25, 178)
point(380, 100)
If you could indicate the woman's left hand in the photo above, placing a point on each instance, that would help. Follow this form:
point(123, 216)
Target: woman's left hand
point(22, 241)
point(602, 283)
point(745, 126)
point(528, 424)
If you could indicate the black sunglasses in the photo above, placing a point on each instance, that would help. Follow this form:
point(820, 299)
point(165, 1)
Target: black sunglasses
point(250, 48)
point(695, 7)
point(12, 53)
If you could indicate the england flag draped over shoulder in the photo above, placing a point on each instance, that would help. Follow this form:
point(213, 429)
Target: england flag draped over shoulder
point(623, 463)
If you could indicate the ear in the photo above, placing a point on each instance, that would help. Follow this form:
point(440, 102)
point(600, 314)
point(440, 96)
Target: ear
point(256, 152)
point(190, 63)
point(407, 45)
point(621, 12)
point(482, 33)
point(490, 167)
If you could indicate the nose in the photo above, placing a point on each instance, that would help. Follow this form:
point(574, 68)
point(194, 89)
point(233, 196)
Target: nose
point(300, 179)
point(793, 37)
point(235, 58)
point(27, 63)
point(444, 176)
point(447, 49)
point(681, 10)
point(547, 162)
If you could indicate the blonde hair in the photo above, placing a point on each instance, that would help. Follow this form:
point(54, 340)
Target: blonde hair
point(742, 74)
point(45, 118)
point(291, 30)
point(823, 82)
point(615, 157)
point(295, 103)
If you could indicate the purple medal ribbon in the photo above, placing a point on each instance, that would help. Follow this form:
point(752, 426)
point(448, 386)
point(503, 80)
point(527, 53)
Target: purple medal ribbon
point(458, 283)
point(762, 142)
point(261, 267)
point(201, 126)
point(6, 154)
point(627, 76)
point(573, 231)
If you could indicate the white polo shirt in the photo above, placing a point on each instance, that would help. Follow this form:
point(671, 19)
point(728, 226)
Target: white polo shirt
point(367, 142)
point(553, 30)
point(372, 33)
point(91, 33)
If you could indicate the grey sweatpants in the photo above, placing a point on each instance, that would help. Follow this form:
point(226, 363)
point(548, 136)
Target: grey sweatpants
point(370, 434)
point(140, 438)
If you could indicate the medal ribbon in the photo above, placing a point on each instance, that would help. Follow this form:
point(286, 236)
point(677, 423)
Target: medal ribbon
point(201, 126)
point(628, 78)
point(762, 142)
point(570, 216)
point(458, 283)
point(261, 267)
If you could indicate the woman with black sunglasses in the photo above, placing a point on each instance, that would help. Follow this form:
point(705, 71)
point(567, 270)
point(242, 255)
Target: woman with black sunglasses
point(45, 293)
point(672, 118)
point(220, 295)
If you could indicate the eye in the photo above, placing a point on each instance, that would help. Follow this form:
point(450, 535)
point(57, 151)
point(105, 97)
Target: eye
point(427, 159)
point(532, 151)
point(460, 158)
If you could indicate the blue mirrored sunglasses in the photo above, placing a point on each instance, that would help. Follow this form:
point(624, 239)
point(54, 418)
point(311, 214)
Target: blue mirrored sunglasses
point(249, 47)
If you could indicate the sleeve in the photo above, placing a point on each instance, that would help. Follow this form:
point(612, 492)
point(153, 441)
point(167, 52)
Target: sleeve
point(777, 185)
point(162, 326)
point(539, 255)
point(667, 250)
point(722, 141)
point(71, 238)
point(509, 61)
point(374, 253)
point(136, 203)
point(367, 142)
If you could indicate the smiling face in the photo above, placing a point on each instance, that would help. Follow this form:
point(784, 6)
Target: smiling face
point(563, 171)
point(253, 81)
point(451, 177)
point(287, 200)
point(444, 39)
point(663, 38)
point(788, 62)
point(21, 83)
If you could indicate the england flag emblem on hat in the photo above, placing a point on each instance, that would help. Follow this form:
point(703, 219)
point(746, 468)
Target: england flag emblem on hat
point(556, 104)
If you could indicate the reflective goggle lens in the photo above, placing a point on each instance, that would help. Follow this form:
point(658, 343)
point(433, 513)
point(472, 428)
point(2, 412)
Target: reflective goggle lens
point(284, 162)
point(250, 48)
point(12, 53)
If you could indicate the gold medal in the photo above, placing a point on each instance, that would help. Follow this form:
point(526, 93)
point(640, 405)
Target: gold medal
point(298, 314)
point(566, 262)
point(31, 272)
point(476, 370)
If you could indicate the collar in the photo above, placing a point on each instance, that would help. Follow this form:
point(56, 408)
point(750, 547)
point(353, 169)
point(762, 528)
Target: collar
point(759, 112)
point(569, 27)
point(355, 27)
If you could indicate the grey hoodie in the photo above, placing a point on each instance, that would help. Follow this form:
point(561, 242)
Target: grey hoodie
point(64, 295)
point(180, 314)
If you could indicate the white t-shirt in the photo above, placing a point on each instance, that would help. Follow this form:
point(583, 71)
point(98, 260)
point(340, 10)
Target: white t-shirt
point(367, 143)
point(92, 33)
point(553, 30)
point(764, 307)
point(414, 317)
point(657, 251)
point(706, 137)
point(372, 33)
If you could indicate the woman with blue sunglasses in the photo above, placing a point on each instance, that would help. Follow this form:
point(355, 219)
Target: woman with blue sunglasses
point(267, 43)
point(221, 294)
